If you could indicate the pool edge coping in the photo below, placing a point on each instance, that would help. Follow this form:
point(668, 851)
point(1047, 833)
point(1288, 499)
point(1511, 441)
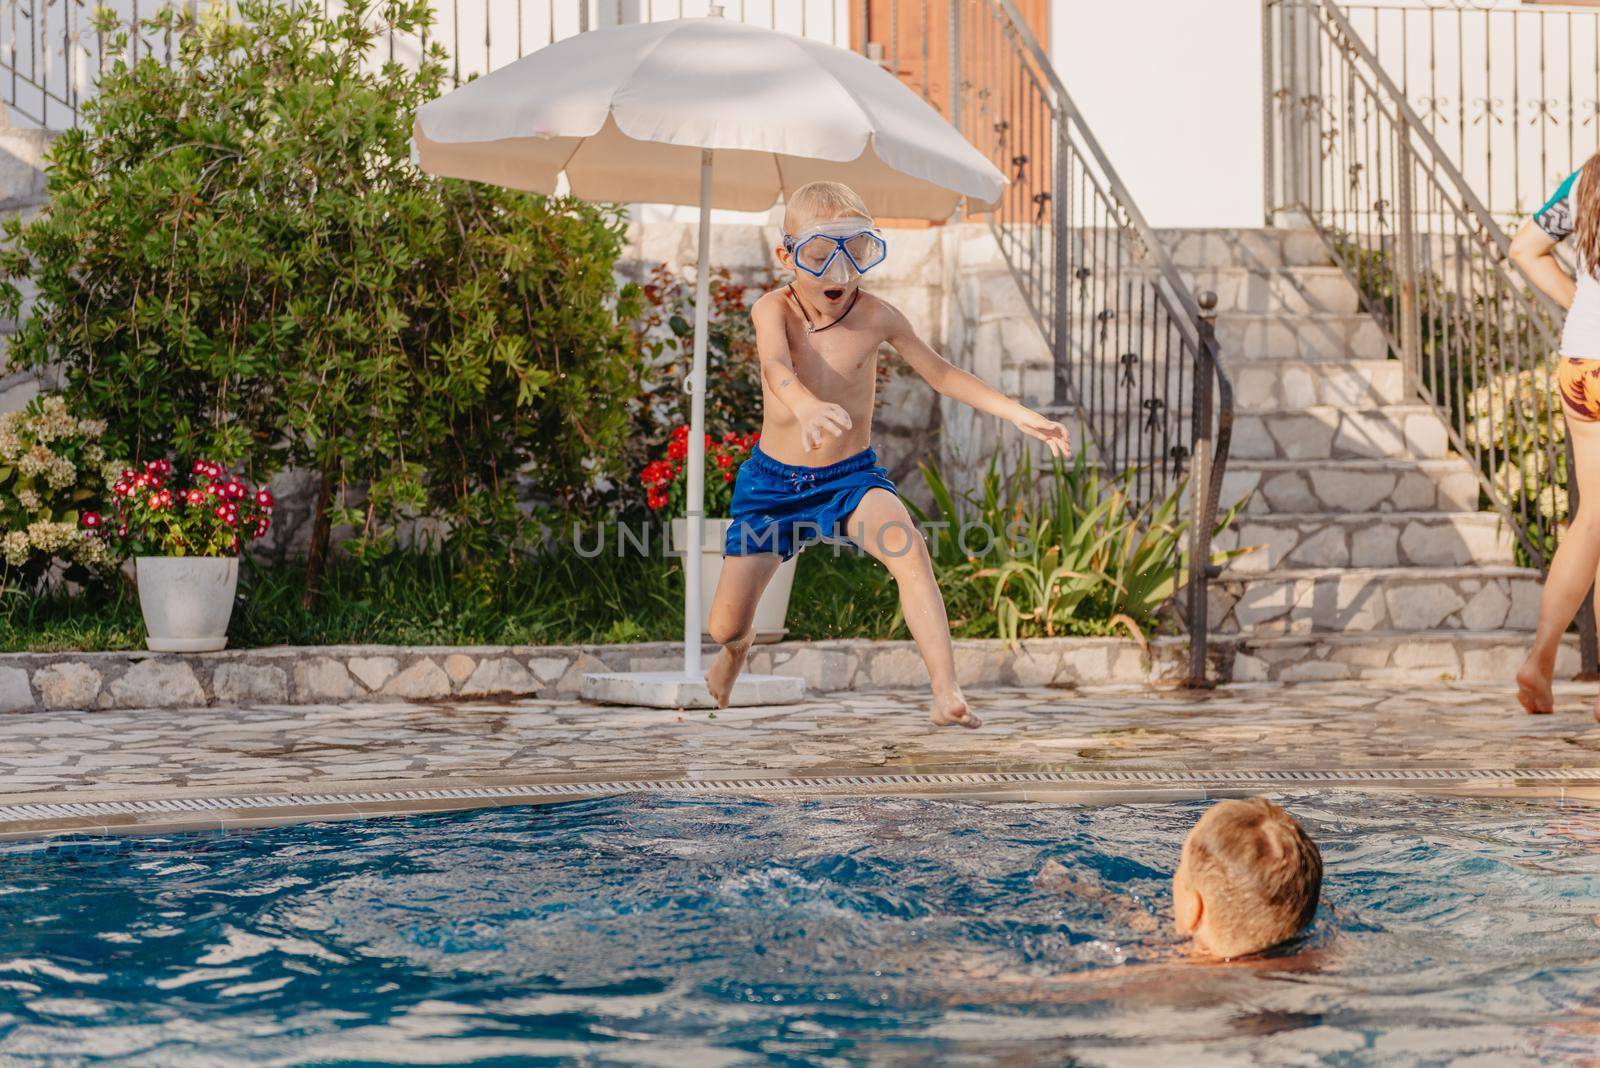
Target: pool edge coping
point(240, 811)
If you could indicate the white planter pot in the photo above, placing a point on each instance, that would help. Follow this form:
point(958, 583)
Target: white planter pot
point(774, 603)
point(187, 601)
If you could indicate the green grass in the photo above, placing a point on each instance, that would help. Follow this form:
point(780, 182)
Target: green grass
point(418, 600)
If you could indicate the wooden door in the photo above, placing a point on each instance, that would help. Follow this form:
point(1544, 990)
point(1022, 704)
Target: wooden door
point(911, 38)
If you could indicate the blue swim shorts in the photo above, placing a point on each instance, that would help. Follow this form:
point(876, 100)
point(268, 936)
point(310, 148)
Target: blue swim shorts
point(780, 507)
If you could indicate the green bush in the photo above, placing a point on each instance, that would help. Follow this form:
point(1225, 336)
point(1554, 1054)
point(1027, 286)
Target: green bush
point(1071, 553)
point(240, 261)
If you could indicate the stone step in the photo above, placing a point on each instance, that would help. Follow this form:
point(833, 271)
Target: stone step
point(22, 158)
point(1365, 539)
point(1276, 290)
point(1252, 336)
point(1348, 600)
point(1419, 656)
point(1277, 385)
point(1099, 332)
point(1258, 385)
point(1325, 432)
point(1280, 487)
point(1260, 249)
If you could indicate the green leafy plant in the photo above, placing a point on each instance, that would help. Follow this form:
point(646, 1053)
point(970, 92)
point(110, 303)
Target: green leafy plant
point(51, 465)
point(1071, 553)
point(664, 332)
point(239, 260)
point(152, 514)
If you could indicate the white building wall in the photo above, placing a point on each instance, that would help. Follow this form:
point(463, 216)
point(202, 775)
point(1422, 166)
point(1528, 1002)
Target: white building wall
point(1172, 90)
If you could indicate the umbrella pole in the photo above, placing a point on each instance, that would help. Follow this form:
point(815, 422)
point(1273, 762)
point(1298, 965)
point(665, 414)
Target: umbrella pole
point(697, 431)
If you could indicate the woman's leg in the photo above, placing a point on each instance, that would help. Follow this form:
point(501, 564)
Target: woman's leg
point(733, 611)
point(881, 525)
point(1572, 570)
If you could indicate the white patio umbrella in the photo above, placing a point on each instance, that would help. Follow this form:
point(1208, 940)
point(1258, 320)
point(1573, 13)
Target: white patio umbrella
point(711, 112)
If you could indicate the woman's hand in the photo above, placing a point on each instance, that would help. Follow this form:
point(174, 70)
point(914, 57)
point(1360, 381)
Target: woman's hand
point(820, 420)
point(1047, 430)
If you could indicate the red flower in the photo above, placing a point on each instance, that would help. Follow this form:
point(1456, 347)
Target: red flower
point(200, 467)
point(91, 520)
point(155, 501)
point(263, 498)
point(727, 476)
point(195, 496)
point(677, 449)
point(122, 489)
point(724, 460)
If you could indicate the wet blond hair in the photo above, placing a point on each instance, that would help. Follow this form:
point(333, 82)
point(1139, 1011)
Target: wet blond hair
point(821, 200)
point(1258, 873)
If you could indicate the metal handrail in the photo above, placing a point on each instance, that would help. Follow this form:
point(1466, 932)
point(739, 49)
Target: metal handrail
point(1077, 222)
point(1431, 263)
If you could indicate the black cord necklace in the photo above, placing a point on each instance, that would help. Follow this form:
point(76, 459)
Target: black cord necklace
point(813, 328)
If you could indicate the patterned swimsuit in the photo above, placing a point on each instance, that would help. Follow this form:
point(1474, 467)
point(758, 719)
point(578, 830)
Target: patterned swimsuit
point(1578, 374)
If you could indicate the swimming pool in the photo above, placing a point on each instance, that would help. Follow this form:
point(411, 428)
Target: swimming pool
point(639, 930)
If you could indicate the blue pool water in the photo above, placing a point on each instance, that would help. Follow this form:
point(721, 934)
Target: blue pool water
point(649, 931)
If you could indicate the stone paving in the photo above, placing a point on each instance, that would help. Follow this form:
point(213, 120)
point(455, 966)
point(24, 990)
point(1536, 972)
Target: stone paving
point(348, 754)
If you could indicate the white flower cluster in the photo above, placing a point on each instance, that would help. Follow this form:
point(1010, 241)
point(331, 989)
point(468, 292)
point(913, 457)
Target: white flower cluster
point(25, 440)
point(53, 539)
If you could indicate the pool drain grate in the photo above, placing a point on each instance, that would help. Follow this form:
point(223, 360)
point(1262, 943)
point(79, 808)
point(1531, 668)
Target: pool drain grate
point(826, 784)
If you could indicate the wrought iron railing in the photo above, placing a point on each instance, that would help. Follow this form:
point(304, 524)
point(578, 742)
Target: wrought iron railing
point(51, 53)
point(1352, 158)
point(1510, 92)
point(1135, 354)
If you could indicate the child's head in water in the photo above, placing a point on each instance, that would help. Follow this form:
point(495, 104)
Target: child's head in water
point(816, 217)
point(1248, 880)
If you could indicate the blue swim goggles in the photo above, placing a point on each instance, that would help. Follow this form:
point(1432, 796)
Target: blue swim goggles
point(818, 251)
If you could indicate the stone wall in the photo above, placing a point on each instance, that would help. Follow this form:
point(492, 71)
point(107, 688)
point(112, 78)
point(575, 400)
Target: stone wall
point(318, 674)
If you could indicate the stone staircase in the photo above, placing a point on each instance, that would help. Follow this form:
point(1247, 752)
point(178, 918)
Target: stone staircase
point(22, 182)
point(1370, 557)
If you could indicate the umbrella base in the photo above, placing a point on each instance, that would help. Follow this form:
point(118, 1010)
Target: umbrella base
point(674, 689)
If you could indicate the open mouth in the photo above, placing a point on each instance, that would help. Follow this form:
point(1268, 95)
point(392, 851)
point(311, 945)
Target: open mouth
point(834, 292)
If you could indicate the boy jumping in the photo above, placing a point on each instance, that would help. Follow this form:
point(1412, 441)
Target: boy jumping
point(813, 474)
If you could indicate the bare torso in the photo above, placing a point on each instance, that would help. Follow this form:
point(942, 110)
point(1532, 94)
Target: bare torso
point(838, 365)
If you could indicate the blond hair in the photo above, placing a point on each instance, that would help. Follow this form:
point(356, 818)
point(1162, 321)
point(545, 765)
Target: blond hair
point(1586, 216)
point(1257, 871)
point(822, 200)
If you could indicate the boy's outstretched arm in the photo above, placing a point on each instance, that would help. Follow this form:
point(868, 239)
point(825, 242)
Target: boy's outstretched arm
point(816, 417)
point(969, 389)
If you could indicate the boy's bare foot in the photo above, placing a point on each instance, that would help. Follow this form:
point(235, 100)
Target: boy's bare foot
point(952, 710)
point(1533, 689)
point(724, 670)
